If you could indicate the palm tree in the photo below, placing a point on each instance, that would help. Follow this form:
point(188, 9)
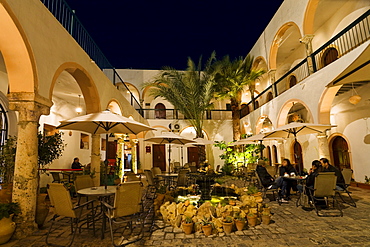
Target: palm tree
point(231, 79)
point(189, 91)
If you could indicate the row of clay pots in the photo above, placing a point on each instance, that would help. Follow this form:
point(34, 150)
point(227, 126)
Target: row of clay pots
point(227, 226)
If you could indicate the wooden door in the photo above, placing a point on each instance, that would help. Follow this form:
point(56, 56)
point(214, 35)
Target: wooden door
point(298, 158)
point(340, 153)
point(159, 156)
point(160, 111)
point(193, 155)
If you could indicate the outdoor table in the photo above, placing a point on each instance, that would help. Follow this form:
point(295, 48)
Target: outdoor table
point(302, 181)
point(168, 178)
point(102, 194)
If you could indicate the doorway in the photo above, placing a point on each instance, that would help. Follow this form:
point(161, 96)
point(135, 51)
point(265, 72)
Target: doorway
point(160, 111)
point(159, 156)
point(268, 149)
point(193, 155)
point(275, 154)
point(297, 157)
point(340, 151)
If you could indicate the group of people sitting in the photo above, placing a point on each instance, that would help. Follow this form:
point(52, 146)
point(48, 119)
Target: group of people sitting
point(287, 170)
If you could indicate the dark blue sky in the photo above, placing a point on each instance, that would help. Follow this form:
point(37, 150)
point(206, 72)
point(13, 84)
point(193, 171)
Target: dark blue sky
point(143, 34)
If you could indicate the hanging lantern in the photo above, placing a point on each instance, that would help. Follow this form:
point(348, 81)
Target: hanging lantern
point(355, 99)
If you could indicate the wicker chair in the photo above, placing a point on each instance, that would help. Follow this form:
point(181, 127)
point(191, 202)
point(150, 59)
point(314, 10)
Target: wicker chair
point(323, 190)
point(62, 204)
point(182, 179)
point(57, 179)
point(266, 189)
point(127, 210)
point(347, 175)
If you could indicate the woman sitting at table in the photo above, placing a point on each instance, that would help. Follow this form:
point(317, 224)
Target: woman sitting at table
point(76, 164)
point(312, 174)
point(285, 170)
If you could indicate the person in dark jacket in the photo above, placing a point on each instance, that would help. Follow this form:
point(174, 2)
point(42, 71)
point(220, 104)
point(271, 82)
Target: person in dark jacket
point(266, 179)
point(76, 164)
point(312, 174)
point(329, 168)
point(285, 170)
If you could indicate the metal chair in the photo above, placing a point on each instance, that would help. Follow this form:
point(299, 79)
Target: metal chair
point(324, 189)
point(156, 171)
point(62, 204)
point(127, 209)
point(347, 175)
point(182, 180)
point(271, 170)
point(57, 179)
point(82, 182)
point(266, 189)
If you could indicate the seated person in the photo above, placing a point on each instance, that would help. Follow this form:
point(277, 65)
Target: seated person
point(286, 169)
point(329, 168)
point(266, 179)
point(312, 174)
point(76, 164)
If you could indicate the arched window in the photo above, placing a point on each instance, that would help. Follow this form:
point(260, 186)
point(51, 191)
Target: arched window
point(275, 154)
point(269, 97)
point(256, 104)
point(292, 81)
point(329, 56)
point(244, 110)
point(160, 111)
point(340, 150)
point(3, 125)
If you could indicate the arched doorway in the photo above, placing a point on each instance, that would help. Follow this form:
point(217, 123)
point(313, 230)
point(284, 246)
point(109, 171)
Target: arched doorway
point(268, 150)
point(292, 81)
point(340, 153)
point(275, 155)
point(160, 111)
point(297, 156)
point(3, 125)
point(330, 55)
point(269, 97)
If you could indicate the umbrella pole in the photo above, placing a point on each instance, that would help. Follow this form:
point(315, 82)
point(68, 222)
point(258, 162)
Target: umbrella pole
point(182, 156)
point(169, 157)
point(261, 150)
point(106, 162)
point(244, 153)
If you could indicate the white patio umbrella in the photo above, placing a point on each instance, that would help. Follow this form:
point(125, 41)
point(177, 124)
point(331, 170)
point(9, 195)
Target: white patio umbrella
point(169, 138)
point(295, 129)
point(201, 142)
point(104, 122)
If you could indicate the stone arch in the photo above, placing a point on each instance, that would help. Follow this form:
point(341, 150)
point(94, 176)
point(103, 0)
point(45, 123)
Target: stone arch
point(331, 139)
point(309, 16)
point(134, 90)
point(284, 110)
point(260, 62)
point(114, 106)
point(325, 103)
point(277, 41)
point(206, 136)
point(264, 123)
point(85, 82)
point(17, 53)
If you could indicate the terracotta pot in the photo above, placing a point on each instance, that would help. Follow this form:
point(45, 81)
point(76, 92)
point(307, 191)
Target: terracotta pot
point(207, 230)
point(42, 210)
point(7, 228)
point(239, 225)
point(6, 193)
point(266, 210)
point(187, 228)
point(266, 219)
point(228, 227)
point(252, 220)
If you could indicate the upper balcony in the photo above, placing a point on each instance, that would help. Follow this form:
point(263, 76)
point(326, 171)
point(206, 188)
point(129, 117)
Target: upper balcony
point(355, 34)
point(162, 113)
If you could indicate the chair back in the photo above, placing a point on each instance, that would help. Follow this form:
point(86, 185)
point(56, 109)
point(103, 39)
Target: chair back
point(182, 178)
point(127, 199)
point(83, 181)
point(193, 168)
point(271, 170)
point(218, 168)
point(149, 177)
point(194, 163)
point(325, 184)
point(347, 175)
point(60, 199)
point(156, 171)
point(132, 177)
point(259, 181)
point(56, 177)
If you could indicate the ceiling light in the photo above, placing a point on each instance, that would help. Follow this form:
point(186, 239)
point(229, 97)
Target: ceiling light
point(79, 108)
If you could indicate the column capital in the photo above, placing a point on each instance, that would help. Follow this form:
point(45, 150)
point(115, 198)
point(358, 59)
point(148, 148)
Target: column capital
point(30, 106)
point(307, 38)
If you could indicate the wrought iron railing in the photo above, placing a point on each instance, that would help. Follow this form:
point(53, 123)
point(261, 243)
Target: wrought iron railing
point(67, 17)
point(214, 114)
point(355, 34)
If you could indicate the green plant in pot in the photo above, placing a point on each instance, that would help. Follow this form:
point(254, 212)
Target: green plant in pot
point(266, 218)
point(252, 219)
point(7, 226)
point(207, 226)
point(227, 224)
point(7, 163)
point(239, 222)
point(187, 225)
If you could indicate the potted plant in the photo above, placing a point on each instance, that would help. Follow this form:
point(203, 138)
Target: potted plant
point(266, 218)
point(252, 219)
point(207, 226)
point(7, 162)
point(227, 224)
point(266, 208)
point(187, 225)
point(7, 226)
point(239, 222)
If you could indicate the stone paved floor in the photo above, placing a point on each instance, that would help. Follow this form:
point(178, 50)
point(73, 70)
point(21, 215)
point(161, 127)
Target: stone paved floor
point(292, 226)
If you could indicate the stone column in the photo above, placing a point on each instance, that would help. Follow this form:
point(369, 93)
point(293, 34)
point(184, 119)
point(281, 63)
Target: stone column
point(307, 41)
point(281, 150)
point(272, 79)
point(95, 157)
point(323, 146)
point(29, 107)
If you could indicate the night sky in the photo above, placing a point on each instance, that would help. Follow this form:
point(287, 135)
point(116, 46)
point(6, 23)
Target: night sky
point(142, 34)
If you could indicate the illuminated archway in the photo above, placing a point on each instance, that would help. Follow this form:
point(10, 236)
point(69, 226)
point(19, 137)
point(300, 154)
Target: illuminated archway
point(115, 107)
point(264, 124)
point(285, 109)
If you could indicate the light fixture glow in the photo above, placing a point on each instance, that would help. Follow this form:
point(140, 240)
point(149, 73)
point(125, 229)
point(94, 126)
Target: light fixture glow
point(79, 108)
point(257, 83)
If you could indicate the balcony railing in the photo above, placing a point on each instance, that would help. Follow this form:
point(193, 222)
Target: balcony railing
point(67, 17)
point(215, 114)
point(355, 34)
